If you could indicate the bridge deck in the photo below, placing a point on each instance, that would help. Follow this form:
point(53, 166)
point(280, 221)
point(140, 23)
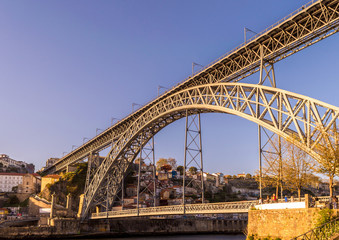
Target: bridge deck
point(207, 208)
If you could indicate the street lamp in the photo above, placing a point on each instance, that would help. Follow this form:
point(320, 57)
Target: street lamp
point(112, 119)
point(134, 104)
point(63, 154)
point(83, 140)
point(195, 64)
point(160, 87)
point(74, 146)
point(248, 30)
point(96, 131)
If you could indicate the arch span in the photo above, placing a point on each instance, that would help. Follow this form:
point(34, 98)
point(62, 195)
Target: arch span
point(295, 117)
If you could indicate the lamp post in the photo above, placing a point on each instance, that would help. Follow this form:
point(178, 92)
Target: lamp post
point(74, 146)
point(195, 64)
point(248, 30)
point(84, 139)
point(160, 87)
point(134, 104)
point(63, 154)
point(96, 131)
point(112, 119)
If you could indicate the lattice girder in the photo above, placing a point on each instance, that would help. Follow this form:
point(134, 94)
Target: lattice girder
point(287, 114)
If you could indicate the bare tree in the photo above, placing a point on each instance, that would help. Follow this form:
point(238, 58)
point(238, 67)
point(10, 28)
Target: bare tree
point(328, 150)
point(272, 175)
point(297, 167)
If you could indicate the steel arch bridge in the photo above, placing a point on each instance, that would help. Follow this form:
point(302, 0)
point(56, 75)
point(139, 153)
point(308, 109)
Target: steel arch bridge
point(297, 118)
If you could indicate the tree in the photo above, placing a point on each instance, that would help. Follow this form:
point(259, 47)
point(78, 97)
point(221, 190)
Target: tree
point(181, 170)
point(248, 175)
point(193, 170)
point(328, 150)
point(272, 175)
point(161, 162)
point(297, 167)
point(166, 167)
point(172, 162)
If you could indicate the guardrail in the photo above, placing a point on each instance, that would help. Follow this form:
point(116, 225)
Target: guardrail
point(207, 208)
point(324, 232)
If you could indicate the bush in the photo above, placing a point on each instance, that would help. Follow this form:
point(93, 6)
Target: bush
point(325, 215)
point(251, 237)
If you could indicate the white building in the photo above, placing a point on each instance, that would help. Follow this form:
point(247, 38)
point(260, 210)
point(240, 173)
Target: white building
point(10, 180)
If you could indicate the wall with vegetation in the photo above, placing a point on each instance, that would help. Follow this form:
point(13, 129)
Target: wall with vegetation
point(281, 223)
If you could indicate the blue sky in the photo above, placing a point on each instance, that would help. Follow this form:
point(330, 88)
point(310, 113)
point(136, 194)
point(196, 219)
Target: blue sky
point(68, 67)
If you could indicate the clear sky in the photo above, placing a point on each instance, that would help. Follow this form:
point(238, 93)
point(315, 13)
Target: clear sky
point(68, 67)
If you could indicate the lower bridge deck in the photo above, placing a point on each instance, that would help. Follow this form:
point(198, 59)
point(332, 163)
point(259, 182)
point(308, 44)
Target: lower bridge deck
point(206, 208)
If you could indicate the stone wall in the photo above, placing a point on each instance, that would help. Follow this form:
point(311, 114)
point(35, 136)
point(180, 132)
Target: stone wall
point(62, 228)
point(144, 226)
point(281, 223)
point(34, 205)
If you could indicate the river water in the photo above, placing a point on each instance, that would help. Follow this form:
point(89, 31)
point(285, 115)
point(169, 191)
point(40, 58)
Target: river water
point(182, 237)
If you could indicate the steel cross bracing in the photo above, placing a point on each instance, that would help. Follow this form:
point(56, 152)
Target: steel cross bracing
point(304, 27)
point(193, 155)
point(294, 117)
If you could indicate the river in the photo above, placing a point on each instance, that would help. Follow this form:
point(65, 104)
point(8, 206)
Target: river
point(181, 237)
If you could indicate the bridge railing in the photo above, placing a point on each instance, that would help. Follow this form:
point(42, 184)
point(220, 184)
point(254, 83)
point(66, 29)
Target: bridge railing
point(254, 37)
point(206, 208)
point(224, 207)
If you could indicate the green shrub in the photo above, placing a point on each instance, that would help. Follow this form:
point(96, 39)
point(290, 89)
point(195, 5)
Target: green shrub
point(325, 215)
point(251, 237)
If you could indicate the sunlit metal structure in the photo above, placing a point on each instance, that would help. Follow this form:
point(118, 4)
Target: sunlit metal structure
point(215, 88)
point(207, 208)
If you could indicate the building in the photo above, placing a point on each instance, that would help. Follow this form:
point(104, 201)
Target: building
point(219, 178)
point(241, 175)
point(51, 161)
point(10, 180)
point(31, 183)
point(49, 179)
point(7, 162)
point(19, 182)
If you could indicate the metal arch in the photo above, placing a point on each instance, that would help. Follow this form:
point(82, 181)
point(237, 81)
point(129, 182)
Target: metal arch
point(308, 25)
point(297, 117)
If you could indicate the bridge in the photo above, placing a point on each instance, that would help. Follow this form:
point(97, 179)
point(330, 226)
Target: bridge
point(215, 88)
point(205, 208)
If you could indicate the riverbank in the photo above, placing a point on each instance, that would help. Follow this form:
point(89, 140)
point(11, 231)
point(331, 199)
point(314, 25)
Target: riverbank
point(72, 228)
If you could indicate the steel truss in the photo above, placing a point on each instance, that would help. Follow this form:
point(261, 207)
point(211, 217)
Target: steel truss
point(304, 27)
point(296, 118)
point(193, 154)
point(147, 157)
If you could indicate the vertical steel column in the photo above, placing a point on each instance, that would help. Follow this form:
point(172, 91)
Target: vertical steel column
point(260, 162)
point(154, 176)
point(280, 168)
point(122, 192)
point(138, 188)
point(148, 154)
point(201, 164)
point(267, 72)
point(107, 197)
point(185, 163)
point(193, 151)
